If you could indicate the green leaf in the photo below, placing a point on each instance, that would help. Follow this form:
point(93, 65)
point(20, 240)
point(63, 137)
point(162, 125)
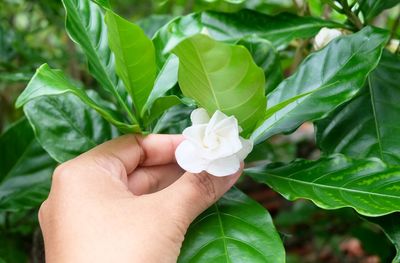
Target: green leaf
point(174, 120)
point(65, 126)
point(85, 26)
point(222, 77)
point(372, 8)
point(25, 169)
point(368, 125)
point(266, 57)
point(324, 80)
point(390, 225)
point(166, 80)
point(153, 23)
point(47, 81)
point(235, 229)
point(369, 186)
point(230, 27)
point(134, 57)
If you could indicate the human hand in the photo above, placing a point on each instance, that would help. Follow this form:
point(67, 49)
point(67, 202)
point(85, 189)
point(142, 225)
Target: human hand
point(125, 201)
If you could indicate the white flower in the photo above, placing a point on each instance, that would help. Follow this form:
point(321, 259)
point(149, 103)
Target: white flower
point(324, 36)
point(212, 145)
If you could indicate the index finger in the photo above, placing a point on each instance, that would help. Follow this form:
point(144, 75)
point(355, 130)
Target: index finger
point(137, 150)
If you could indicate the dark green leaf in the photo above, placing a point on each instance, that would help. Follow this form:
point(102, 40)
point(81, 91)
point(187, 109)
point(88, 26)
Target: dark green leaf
point(48, 81)
point(222, 77)
point(65, 126)
point(372, 8)
point(369, 186)
point(280, 29)
point(85, 26)
point(235, 229)
point(391, 227)
point(153, 23)
point(174, 121)
point(324, 80)
point(368, 125)
point(25, 169)
point(266, 57)
point(134, 57)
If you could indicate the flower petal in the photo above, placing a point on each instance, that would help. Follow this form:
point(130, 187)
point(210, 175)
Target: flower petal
point(247, 146)
point(199, 116)
point(195, 134)
point(224, 166)
point(187, 157)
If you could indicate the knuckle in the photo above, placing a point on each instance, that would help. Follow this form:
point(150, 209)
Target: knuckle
point(43, 211)
point(61, 173)
point(204, 186)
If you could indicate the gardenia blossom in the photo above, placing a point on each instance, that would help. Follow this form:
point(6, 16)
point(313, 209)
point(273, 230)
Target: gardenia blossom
point(324, 36)
point(212, 145)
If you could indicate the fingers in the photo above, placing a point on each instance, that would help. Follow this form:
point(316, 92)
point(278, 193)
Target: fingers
point(190, 195)
point(146, 180)
point(159, 149)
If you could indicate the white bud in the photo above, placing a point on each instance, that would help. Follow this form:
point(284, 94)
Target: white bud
point(324, 36)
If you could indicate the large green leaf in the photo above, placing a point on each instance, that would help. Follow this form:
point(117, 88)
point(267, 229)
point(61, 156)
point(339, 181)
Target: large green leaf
point(368, 125)
point(235, 229)
point(47, 81)
point(266, 57)
point(324, 80)
point(134, 57)
point(279, 29)
point(222, 77)
point(85, 26)
point(391, 227)
point(369, 186)
point(25, 169)
point(372, 8)
point(65, 126)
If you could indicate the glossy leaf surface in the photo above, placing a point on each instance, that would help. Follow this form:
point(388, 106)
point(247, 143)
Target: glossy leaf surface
point(369, 186)
point(324, 80)
point(372, 8)
point(86, 27)
point(25, 169)
point(65, 126)
point(368, 125)
point(279, 29)
point(222, 77)
point(391, 227)
point(166, 79)
point(235, 229)
point(134, 57)
point(267, 58)
point(47, 81)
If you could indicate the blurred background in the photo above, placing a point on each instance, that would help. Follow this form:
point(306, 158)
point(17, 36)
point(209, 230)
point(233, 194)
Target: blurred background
point(32, 33)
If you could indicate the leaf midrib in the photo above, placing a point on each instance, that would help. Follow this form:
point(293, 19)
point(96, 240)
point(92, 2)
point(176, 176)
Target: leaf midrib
point(206, 75)
point(332, 187)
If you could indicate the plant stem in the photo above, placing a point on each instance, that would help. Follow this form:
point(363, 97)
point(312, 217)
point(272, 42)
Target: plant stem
point(394, 27)
point(355, 20)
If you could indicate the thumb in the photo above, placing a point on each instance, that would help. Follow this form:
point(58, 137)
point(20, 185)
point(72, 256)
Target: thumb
point(193, 193)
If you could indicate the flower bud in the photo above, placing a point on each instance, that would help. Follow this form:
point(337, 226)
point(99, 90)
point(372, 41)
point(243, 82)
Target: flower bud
point(324, 36)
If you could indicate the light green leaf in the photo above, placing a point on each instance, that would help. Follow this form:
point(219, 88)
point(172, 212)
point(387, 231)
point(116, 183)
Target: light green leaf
point(222, 77)
point(47, 81)
point(134, 57)
point(65, 126)
point(324, 80)
point(368, 125)
point(235, 229)
point(166, 80)
point(85, 26)
point(369, 186)
point(25, 169)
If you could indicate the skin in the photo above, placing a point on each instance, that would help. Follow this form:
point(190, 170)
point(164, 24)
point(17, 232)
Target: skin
point(125, 201)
